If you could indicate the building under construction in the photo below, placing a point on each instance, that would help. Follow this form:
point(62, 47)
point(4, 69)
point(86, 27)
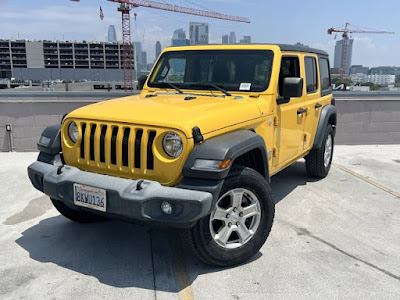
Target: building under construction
point(59, 60)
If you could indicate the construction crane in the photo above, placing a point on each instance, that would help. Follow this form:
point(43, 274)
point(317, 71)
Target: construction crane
point(125, 8)
point(346, 31)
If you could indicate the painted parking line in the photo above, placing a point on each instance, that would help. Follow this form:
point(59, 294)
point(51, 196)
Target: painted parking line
point(183, 280)
point(368, 180)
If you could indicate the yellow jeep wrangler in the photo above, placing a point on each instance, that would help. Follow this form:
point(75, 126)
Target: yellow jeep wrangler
point(196, 149)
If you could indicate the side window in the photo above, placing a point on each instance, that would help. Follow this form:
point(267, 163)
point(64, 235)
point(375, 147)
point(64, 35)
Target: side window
point(325, 76)
point(311, 75)
point(290, 67)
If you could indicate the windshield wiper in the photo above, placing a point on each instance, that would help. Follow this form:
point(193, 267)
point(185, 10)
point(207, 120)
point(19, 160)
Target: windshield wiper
point(175, 87)
point(214, 86)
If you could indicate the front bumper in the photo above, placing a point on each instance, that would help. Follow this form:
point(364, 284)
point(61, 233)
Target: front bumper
point(124, 200)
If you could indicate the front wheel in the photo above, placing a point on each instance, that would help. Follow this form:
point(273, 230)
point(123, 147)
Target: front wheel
point(240, 222)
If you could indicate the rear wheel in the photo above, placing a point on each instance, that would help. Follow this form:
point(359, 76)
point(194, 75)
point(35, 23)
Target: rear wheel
point(318, 161)
point(240, 222)
point(76, 215)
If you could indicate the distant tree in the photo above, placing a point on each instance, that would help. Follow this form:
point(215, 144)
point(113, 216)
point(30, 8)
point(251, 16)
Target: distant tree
point(346, 81)
point(373, 86)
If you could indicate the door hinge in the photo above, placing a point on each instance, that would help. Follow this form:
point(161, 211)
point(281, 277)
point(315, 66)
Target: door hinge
point(276, 121)
point(274, 152)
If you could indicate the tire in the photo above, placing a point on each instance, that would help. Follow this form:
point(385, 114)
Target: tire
point(76, 215)
point(202, 237)
point(316, 165)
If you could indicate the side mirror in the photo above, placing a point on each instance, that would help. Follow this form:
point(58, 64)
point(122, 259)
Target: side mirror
point(141, 81)
point(292, 88)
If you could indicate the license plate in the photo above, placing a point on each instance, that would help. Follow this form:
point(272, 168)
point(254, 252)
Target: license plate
point(90, 197)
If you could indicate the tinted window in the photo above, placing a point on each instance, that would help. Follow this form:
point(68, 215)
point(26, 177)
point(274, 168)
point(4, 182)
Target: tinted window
point(232, 70)
point(324, 74)
point(290, 67)
point(311, 75)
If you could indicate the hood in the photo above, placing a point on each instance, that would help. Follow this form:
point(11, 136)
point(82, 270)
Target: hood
point(173, 111)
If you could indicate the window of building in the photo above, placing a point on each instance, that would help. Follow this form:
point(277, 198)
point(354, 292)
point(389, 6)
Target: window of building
point(311, 75)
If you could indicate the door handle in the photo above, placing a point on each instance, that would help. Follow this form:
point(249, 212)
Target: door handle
point(301, 111)
point(317, 105)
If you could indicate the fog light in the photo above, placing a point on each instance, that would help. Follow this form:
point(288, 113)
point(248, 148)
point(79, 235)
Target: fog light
point(166, 207)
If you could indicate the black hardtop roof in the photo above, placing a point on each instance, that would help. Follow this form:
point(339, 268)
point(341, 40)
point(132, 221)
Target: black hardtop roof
point(298, 48)
point(283, 47)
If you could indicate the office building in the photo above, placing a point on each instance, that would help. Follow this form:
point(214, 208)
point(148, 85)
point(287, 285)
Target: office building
point(338, 54)
point(158, 49)
point(386, 70)
point(52, 60)
point(179, 38)
point(112, 34)
point(138, 57)
point(375, 79)
point(232, 38)
point(246, 40)
point(198, 33)
point(144, 60)
point(358, 69)
point(225, 39)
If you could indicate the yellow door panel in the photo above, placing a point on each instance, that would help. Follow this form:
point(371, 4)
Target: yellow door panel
point(290, 124)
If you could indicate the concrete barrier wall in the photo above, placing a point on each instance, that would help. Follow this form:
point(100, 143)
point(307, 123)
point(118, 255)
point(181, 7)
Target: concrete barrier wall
point(359, 121)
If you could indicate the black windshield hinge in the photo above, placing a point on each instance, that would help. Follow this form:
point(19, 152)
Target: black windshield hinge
point(197, 136)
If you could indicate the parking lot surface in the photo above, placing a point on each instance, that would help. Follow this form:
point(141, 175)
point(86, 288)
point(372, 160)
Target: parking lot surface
point(336, 238)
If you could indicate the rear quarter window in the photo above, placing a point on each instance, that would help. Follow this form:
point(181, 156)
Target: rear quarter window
point(325, 76)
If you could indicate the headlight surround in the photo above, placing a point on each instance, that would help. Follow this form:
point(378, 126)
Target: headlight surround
point(73, 131)
point(172, 144)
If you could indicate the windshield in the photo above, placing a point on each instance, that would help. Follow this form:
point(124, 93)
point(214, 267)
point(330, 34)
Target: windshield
point(231, 70)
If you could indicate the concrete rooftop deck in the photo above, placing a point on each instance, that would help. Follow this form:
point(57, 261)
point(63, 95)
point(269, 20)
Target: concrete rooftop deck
point(337, 238)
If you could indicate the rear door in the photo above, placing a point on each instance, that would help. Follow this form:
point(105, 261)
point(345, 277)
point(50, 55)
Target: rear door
point(318, 94)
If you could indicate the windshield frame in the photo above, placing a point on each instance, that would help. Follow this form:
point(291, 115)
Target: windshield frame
point(202, 85)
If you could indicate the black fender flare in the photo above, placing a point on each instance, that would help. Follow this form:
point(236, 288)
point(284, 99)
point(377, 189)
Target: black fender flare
point(226, 146)
point(231, 145)
point(326, 114)
point(50, 140)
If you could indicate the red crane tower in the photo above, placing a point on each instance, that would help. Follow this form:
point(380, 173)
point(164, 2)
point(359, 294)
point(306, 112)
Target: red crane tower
point(125, 8)
point(345, 41)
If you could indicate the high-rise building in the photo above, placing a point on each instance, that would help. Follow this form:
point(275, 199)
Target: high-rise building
point(338, 54)
point(112, 34)
point(246, 39)
point(225, 39)
point(179, 38)
point(158, 49)
point(138, 57)
point(144, 59)
point(232, 38)
point(52, 60)
point(198, 33)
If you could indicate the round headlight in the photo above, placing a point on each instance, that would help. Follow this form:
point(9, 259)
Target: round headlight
point(172, 144)
point(73, 131)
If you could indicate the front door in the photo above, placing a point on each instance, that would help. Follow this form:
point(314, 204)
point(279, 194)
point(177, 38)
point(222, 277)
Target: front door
point(289, 132)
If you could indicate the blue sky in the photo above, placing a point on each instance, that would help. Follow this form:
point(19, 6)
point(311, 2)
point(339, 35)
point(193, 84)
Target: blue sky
point(271, 21)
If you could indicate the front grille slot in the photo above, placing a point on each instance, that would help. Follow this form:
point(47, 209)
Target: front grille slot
point(114, 145)
point(91, 144)
point(138, 143)
point(102, 143)
point(83, 140)
point(125, 147)
point(150, 155)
